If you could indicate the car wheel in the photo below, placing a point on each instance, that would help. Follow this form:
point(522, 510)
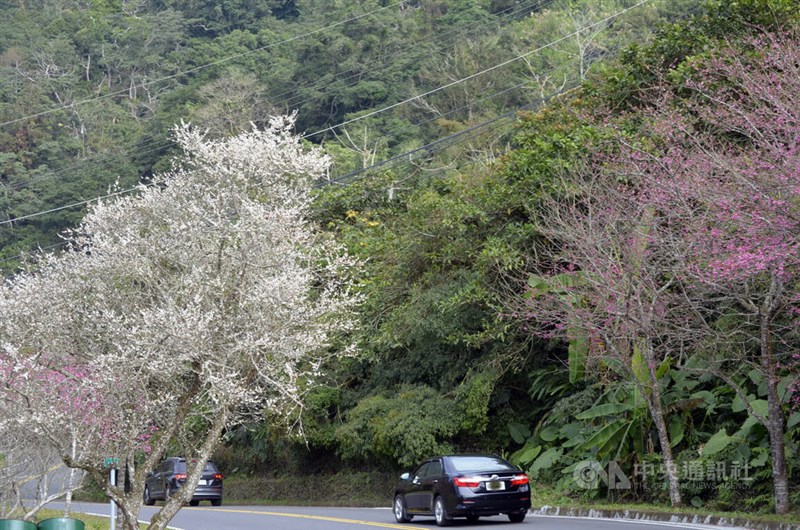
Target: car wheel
point(516, 517)
point(147, 499)
point(216, 502)
point(440, 513)
point(194, 502)
point(400, 511)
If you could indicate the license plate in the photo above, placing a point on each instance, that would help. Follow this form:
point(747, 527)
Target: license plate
point(495, 486)
point(201, 482)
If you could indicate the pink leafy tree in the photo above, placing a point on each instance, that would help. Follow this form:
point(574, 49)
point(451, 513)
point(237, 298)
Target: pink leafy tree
point(687, 239)
point(30, 476)
point(62, 403)
point(733, 155)
point(612, 288)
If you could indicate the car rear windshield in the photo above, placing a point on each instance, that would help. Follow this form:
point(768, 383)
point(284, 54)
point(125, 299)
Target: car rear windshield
point(180, 467)
point(479, 463)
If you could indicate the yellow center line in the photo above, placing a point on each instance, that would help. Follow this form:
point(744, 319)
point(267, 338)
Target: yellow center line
point(315, 517)
point(33, 477)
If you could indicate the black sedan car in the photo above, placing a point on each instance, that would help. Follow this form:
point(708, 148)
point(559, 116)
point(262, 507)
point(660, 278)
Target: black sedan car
point(171, 475)
point(468, 486)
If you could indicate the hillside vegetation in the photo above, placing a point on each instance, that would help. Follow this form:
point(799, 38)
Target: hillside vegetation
point(90, 90)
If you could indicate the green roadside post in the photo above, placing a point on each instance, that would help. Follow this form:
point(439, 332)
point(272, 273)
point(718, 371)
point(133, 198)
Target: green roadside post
point(112, 463)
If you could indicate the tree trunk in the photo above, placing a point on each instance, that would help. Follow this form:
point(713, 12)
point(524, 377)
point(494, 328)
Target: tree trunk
point(130, 515)
point(68, 498)
point(171, 507)
point(775, 424)
point(657, 412)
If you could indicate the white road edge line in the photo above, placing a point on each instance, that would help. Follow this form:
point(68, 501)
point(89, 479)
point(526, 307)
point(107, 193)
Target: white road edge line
point(671, 524)
point(106, 516)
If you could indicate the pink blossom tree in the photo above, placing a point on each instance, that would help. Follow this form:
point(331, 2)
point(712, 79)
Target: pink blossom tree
point(31, 475)
point(734, 156)
point(196, 304)
point(613, 287)
point(695, 221)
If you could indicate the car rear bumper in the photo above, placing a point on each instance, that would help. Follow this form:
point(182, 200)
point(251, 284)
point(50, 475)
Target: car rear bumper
point(490, 506)
point(204, 493)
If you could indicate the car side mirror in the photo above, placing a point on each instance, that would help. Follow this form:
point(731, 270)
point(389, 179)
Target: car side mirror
point(405, 476)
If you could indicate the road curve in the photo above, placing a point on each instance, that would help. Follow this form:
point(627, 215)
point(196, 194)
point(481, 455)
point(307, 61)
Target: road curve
point(316, 518)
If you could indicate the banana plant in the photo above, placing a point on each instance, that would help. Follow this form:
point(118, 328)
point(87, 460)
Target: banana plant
point(614, 424)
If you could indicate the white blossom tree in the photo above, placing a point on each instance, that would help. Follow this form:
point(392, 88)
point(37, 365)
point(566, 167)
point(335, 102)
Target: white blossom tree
point(178, 312)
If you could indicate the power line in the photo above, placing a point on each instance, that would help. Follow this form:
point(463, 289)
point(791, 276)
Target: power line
point(378, 111)
point(470, 132)
point(425, 149)
point(11, 221)
point(508, 13)
point(157, 144)
point(473, 76)
point(400, 156)
point(428, 148)
point(38, 248)
point(437, 145)
point(337, 180)
point(467, 134)
point(73, 205)
point(444, 143)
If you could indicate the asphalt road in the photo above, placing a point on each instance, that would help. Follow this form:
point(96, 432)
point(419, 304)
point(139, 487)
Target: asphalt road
point(205, 517)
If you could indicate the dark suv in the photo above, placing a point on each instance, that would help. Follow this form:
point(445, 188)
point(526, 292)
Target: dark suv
point(170, 476)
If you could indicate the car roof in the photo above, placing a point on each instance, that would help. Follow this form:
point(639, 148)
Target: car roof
point(463, 455)
point(470, 455)
point(182, 458)
point(478, 462)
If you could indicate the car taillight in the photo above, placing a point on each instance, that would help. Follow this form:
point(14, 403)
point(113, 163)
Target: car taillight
point(519, 480)
point(218, 476)
point(180, 476)
point(467, 482)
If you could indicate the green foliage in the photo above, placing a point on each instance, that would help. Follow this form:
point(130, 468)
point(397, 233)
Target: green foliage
point(627, 85)
point(405, 428)
point(474, 397)
point(716, 443)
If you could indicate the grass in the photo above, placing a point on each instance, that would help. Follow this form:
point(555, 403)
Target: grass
point(343, 489)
